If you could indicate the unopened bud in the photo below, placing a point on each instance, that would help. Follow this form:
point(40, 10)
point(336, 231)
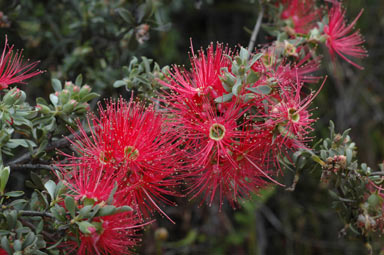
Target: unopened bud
point(76, 88)
point(43, 109)
point(91, 230)
point(81, 108)
point(68, 85)
point(84, 91)
point(64, 96)
point(12, 96)
point(68, 107)
point(161, 234)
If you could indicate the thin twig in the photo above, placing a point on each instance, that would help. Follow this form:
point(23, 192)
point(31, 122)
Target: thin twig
point(31, 166)
point(62, 142)
point(44, 233)
point(256, 28)
point(35, 213)
point(377, 173)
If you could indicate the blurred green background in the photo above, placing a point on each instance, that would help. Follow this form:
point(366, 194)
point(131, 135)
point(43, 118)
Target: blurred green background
point(98, 37)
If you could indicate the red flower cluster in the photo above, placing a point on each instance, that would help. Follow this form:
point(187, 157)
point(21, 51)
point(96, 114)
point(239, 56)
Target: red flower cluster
point(12, 68)
point(227, 123)
point(116, 234)
point(339, 38)
point(301, 15)
point(130, 151)
point(231, 146)
point(304, 23)
point(128, 144)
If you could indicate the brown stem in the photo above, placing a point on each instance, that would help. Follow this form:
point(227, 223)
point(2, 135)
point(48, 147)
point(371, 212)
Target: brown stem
point(256, 28)
point(47, 235)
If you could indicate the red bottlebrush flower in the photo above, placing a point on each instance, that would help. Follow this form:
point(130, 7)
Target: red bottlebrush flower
point(12, 68)
point(89, 180)
point(110, 235)
point(283, 72)
point(234, 177)
point(3, 252)
point(302, 14)
point(339, 38)
point(211, 162)
point(218, 139)
point(215, 149)
point(290, 118)
point(128, 144)
point(204, 76)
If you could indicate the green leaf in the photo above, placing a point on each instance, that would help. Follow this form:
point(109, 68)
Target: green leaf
point(58, 212)
point(374, 200)
point(11, 219)
point(119, 83)
point(84, 212)
point(110, 197)
point(41, 100)
point(89, 97)
point(5, 245)
point(126, 15)
point(70, 205)
point(344, 135)
point(333, 194)
point(224, 98)
point(79, 80)
point(107, 210)
point(244, 54)
point(13, 143)
point(254, 59)
point(42, 198)
point(332, 129)
point(317, 159)
point(37, 180)
point(237, 87)
point(88, 201)
point(29, 240)
point(56, 84)
point(262, 89)
point(252, 77)
point(16, 193)
point(54, 99)
point(85, 227)
point(94, 211)
point(349, 155)
point(4, 175)
point(39, 227)
point(50, 186)
point(17, 246)
point(17, 202)
point(124, 208)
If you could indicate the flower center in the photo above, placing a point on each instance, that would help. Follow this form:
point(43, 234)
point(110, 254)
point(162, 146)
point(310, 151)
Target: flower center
point(293, 115)
point(105, 157)
point(217, 132)
point(267, 60)
point(131, 153)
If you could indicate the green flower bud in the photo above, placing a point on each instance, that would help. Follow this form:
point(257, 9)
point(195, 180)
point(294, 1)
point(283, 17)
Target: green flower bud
point(43, 109)
point(14, 96)
point(64, 96)
point(68, 107)
point(84, 91)
point(82, 108)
